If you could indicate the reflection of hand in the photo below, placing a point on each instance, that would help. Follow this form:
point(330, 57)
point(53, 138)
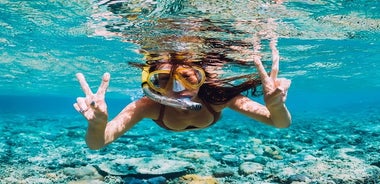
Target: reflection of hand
point(275, 89)
point(93, 107)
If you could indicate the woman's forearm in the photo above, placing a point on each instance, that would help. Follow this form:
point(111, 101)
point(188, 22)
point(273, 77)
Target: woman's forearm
point(95, 136)
point(280, 115)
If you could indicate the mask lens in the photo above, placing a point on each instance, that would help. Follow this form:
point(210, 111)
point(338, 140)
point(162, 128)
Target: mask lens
point(158, 80)
point(186, 77)
point(193, 77)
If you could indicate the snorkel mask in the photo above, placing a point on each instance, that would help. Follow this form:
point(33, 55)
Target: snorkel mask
point(155, 85)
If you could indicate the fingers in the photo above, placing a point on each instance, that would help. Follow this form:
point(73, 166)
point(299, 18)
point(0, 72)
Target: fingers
point(76, 107)
point(81, 105)
point(104, 85)
point(282, 88)
point(257, 59)
point(283, 83)
point(275, 59)
point(93, 102)
point(84, 85)
point(260, 68)
point(277, 96)
point(280, 94)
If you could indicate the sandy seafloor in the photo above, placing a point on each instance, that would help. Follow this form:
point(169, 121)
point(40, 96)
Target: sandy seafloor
point(330, 145)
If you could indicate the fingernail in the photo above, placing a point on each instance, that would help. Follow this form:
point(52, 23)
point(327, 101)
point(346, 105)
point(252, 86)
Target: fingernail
point(106, 76)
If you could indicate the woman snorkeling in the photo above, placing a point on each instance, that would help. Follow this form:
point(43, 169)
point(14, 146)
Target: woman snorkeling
point(180, 95)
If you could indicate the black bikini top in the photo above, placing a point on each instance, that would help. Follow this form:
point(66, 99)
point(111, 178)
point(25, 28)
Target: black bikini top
point(161, 123)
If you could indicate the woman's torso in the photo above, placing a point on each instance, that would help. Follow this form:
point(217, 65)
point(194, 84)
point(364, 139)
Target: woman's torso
point(180, 120)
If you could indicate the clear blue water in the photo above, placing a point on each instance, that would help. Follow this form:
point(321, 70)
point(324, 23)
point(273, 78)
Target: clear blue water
point(329, 49)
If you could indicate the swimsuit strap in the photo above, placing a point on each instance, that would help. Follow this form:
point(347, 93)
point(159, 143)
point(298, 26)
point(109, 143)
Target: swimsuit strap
point(212, 111)
point(160, 119)
point(162, 113)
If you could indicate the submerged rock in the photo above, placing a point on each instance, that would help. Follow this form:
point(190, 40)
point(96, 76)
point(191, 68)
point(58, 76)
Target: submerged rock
point(83, 173)
point(273, 152)
point(248, 168)
point(298, 178)
point(193, 153)
point(223, 172)
point(231, 160)
point(194, 179)
point(146, 167)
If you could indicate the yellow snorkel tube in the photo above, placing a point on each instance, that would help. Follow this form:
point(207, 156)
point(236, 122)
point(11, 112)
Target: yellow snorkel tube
point(183, 103)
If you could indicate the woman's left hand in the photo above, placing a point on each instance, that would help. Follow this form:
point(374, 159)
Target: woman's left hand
point(275, 89)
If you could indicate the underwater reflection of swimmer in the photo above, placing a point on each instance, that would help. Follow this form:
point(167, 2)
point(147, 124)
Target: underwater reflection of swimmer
point(180, 94)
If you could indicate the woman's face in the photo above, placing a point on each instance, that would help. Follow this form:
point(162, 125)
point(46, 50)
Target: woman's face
point(182, 82)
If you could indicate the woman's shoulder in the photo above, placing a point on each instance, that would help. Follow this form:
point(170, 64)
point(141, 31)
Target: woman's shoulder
point(147, 107)
point(233, 101)
point(218, 107)
point(146, 101)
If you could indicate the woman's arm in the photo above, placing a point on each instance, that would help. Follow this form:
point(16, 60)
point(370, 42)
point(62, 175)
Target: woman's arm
point(100, 134)
point(93, 107)
point(275, 90)
point(276, 115)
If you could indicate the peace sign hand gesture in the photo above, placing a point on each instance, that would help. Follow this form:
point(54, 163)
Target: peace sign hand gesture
point(275, 89)
point(93, 107)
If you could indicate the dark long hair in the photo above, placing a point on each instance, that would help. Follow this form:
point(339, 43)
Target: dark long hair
point(222, 92)
point(218, 90)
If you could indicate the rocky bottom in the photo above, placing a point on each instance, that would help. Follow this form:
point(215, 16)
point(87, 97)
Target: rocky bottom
point(338, 149)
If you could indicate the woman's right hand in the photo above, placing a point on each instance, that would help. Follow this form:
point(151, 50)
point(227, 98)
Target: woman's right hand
point(93, 106)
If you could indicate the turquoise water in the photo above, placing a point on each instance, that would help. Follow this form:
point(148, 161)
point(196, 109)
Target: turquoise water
point(329, 49)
